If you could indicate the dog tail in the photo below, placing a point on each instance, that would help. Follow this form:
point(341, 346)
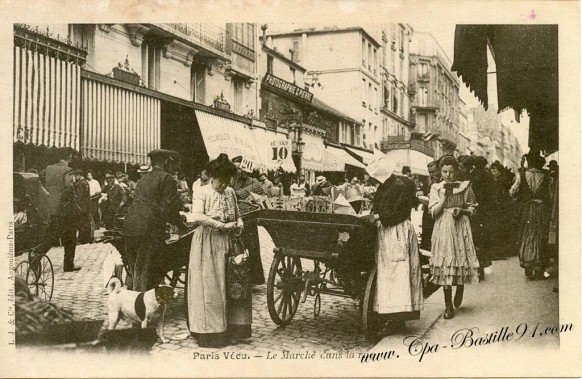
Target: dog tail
point(114, 285)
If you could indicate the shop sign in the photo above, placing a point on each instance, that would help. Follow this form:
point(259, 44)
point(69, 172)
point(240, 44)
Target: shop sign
point(288, 87)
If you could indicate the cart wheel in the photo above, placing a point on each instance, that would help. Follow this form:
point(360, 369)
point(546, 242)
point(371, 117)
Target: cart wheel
point(369, 317)
point(22, 270)
point(317, 304)
point(40, 278)
point(284, 287)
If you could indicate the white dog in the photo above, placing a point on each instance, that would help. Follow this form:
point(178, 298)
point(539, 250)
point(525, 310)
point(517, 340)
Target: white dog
point(138, 306)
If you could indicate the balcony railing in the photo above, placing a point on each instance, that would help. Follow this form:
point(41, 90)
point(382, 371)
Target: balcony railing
point(208, 34)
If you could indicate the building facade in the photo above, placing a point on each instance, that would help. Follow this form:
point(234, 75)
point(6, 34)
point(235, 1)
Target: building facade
point(436, 94)
point(464, 140)
point(492, 139)
point(314, 127)
point(343, 70)
point(137, 87)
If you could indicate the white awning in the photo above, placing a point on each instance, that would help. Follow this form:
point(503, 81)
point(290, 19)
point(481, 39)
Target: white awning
point(332, 161)
point(345, 158)
point(275, 149)
point(366, 156)
point(419, 162)
point(223, 135)
point(313, 152)
point(416, 160)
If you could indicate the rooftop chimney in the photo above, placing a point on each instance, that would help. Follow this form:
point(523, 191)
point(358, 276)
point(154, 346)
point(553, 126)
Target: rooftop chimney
point(264, 29)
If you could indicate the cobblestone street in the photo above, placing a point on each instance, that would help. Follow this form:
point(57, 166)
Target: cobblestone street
point(337, 328)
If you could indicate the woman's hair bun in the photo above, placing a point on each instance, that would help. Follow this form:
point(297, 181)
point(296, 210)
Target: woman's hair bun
point(222, 157)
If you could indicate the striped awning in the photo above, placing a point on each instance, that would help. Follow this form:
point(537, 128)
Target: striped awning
point(46, 94)
point(119, 125)
point(366, 156)
point(224, 135)
point(343, 157)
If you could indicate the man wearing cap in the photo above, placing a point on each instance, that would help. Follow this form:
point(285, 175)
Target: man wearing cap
point(156, 202)
point(58, 181)
point(83, 201)
point(399, 277)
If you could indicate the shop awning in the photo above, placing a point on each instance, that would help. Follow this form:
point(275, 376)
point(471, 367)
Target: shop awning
point(275, 150)
point(366, 156)
point(332, 161)
point(345, 158)
point(119, 126)
point(224, 135)
point(526, 65)
point(416, 160)
point(47, 94)
point(313, 152)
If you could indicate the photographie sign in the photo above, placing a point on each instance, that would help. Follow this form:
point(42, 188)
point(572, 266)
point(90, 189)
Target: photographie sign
point(288, 87)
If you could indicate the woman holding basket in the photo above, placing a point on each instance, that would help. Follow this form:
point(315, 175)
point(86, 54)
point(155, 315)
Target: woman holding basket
point(213, 317)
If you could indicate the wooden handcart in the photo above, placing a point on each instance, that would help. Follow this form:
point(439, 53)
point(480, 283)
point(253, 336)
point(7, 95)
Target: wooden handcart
point(342, 249)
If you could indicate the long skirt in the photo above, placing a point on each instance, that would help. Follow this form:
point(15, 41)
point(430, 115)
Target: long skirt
point(533, 235)
point(212, 318)
point(454, 260)
point(399, 280)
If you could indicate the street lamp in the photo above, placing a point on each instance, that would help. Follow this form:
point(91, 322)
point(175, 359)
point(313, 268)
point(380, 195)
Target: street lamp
point(300, 145)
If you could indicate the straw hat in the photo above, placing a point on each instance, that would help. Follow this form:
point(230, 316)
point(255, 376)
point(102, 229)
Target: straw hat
point(144, 168)
point(381, 167)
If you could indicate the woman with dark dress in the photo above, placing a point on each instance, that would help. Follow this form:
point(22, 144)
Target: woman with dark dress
point(399, 278)
point(212, 317)
point(454, 260)
point(532, 189)
point(502, 239)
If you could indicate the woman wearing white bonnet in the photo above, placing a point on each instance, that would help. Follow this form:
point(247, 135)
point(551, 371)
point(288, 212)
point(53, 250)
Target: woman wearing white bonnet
point(399, 279)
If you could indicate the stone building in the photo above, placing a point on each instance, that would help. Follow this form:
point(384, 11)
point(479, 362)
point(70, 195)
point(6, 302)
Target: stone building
point(125, 89)
point(436, 94)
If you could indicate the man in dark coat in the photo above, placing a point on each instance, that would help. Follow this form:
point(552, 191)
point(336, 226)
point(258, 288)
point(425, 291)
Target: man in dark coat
point(156, 202)
point(481, 223)
point(83, 201)
point(58, 181)
point(115, 201)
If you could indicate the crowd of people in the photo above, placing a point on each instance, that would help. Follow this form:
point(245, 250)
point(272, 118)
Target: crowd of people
point(473, 213)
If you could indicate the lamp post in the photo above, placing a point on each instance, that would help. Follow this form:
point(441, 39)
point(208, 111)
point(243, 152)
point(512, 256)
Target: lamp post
point(300, 146)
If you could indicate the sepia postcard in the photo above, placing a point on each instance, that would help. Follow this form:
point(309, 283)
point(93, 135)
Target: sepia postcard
point(290, 189)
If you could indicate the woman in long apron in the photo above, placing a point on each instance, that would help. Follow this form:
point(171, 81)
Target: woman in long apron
point(454, 259)
point(399, 279)
point(212, 318)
